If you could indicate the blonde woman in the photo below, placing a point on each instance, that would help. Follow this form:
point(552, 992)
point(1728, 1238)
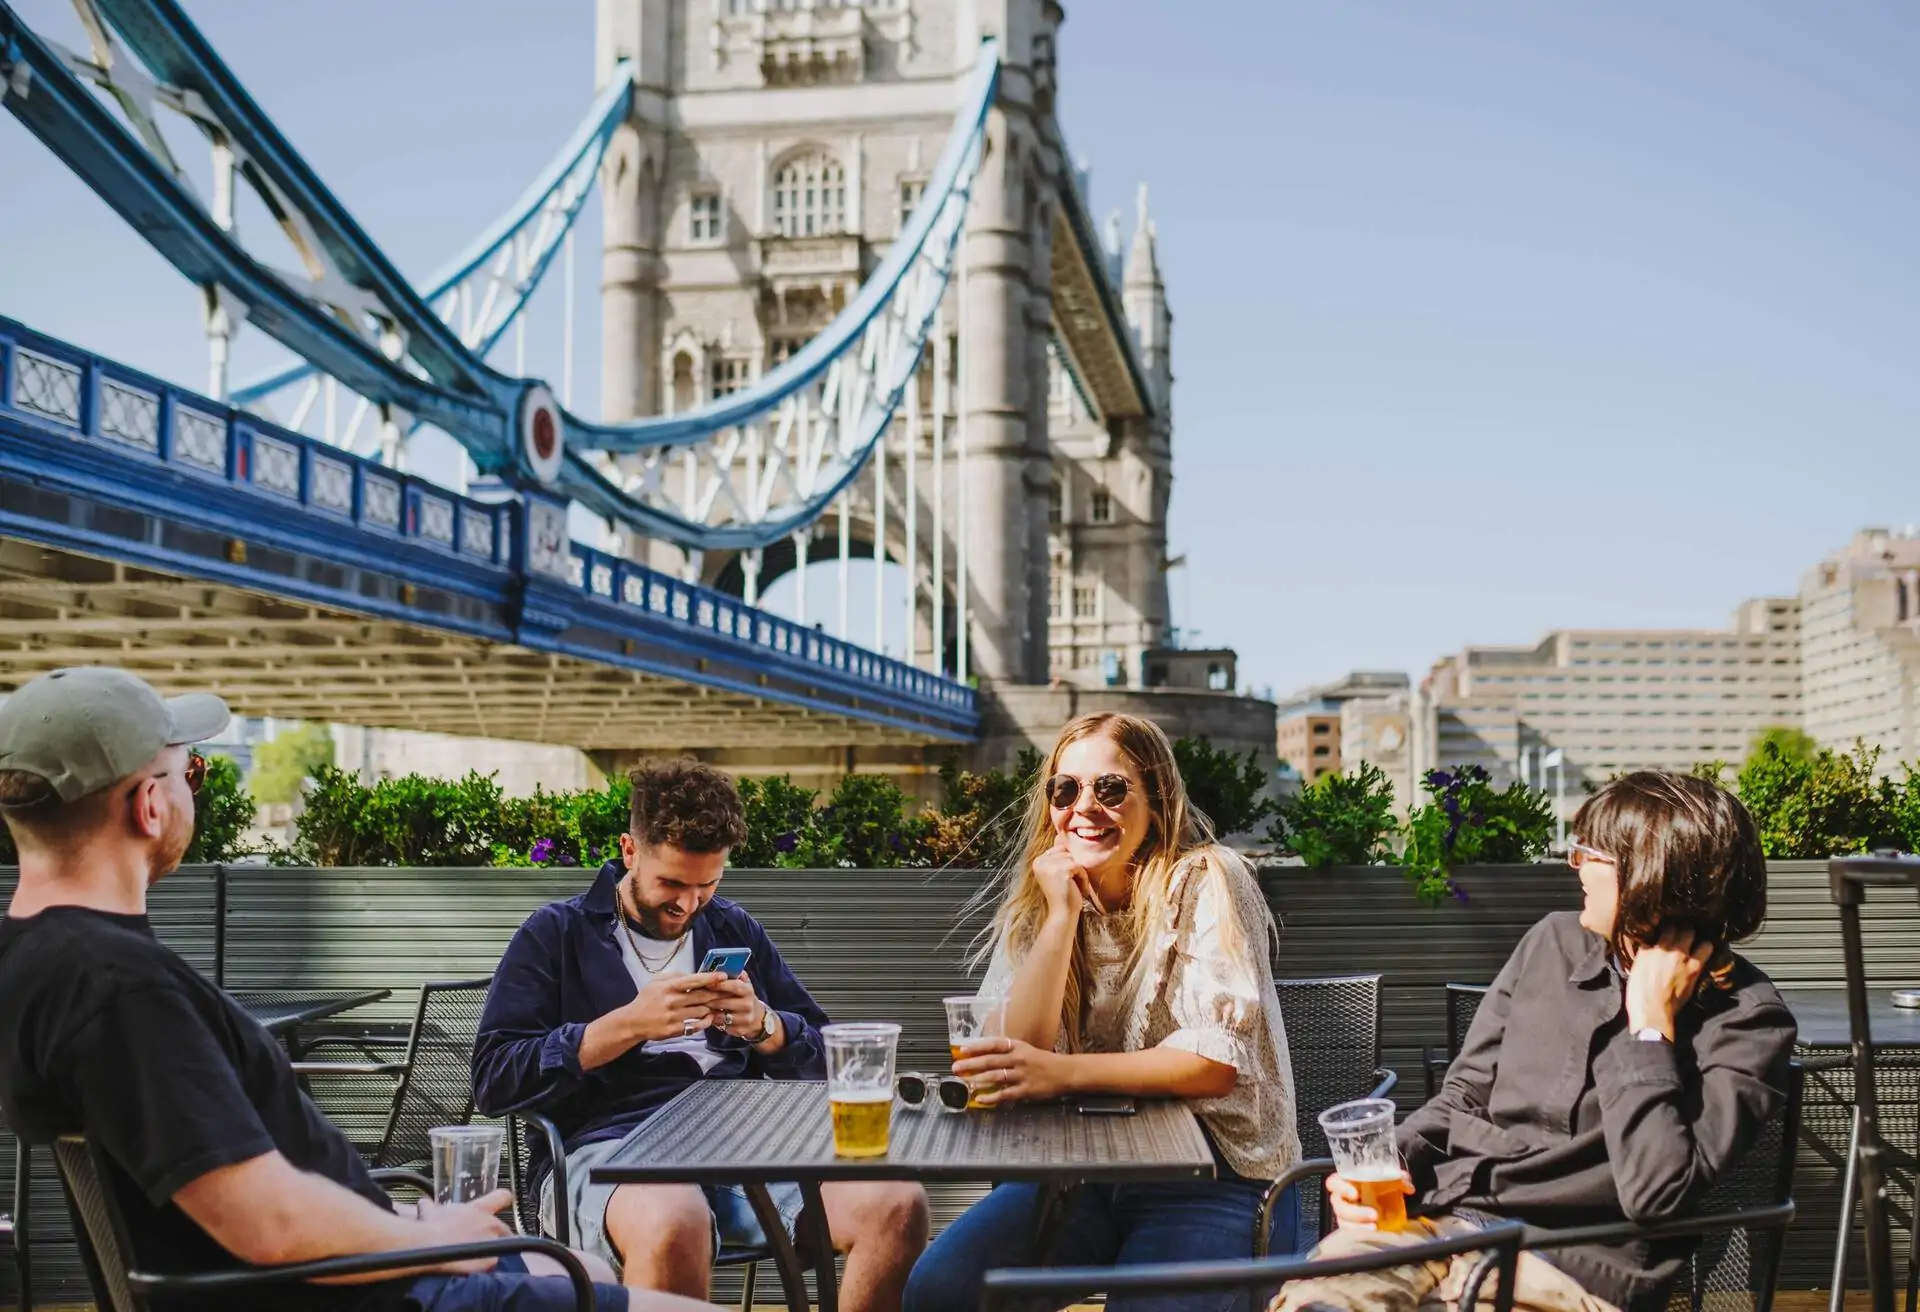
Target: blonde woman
point(1133, 953)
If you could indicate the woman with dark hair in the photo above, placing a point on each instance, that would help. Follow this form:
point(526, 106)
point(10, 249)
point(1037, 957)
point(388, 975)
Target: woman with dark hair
point(1625, 1058)
point(1133, 954)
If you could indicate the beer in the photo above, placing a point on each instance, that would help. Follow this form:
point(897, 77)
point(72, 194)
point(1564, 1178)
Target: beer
point(1384, 1193)
point(860, 1122)
point(959, 1051)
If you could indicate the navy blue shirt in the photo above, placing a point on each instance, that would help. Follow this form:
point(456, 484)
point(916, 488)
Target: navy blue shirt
point(563, 970)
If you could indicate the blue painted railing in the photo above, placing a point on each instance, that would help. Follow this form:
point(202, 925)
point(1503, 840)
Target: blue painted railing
point(121, 415)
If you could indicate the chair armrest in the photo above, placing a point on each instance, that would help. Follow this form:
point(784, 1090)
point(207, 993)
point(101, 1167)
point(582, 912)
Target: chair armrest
point(390, 1175)
point(1775, 1216)
point(349, 1068)
point(1383, 1082)
point(364, 1044)
point(1436, 1062)
point(1004, 1288)
point(1307, 1170)
point(557, 1151)
point(219, 1282)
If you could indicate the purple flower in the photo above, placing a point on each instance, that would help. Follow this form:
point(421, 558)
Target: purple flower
point(593, 854)
point(787, 842)
point(542, 851)
point(893, 841)
point(1439, 779)
point(1459, 893)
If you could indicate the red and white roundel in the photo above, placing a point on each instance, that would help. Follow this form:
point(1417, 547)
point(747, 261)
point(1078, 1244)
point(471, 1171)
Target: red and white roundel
point(541, 442)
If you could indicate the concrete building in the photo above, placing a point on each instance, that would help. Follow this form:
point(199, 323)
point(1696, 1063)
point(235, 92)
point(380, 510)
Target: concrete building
point(1308, 738)
point(1613, 700)
point(1333, 727)
point(1860, 662)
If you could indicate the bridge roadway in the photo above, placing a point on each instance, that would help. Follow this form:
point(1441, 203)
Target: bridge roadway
point(145, 526)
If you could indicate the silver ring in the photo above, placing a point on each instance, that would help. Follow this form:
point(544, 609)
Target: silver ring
point(688, 1026)
point(726, 1019)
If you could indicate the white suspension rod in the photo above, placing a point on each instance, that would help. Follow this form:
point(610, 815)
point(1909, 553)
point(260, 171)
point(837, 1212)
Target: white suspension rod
point(939, 598)
point(879, 543)
point(845, 630)
point(911, 641)
point(800, 576)
point(960, 368)
point(566, 326)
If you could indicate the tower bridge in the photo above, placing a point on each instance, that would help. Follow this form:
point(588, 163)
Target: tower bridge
point(853, 306)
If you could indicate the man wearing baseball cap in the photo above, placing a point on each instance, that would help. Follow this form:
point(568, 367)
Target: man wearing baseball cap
point(216, 1157)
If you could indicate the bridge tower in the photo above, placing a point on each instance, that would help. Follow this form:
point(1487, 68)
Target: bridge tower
point(775, 149)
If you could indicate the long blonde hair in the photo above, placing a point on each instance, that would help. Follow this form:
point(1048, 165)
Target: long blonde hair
point(1175, 829)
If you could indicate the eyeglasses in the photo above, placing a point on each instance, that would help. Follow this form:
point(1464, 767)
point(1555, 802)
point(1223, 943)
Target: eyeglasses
point(1578, 854)
point(1110, 790)
point(948, 1092)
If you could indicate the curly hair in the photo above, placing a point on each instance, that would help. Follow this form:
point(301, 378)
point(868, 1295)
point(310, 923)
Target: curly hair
point(686, 804)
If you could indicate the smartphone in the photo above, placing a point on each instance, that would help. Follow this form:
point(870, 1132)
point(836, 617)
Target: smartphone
point(728, 961)
point(1105, 1105)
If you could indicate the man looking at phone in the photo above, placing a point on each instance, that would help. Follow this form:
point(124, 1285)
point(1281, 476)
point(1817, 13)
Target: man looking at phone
point(605, 1007)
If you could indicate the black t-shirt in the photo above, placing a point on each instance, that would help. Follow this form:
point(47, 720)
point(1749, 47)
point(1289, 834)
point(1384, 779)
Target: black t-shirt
point(106, 1032)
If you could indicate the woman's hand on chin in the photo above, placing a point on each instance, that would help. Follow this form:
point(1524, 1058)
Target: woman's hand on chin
point(1010, 1070)
point(1062, 880)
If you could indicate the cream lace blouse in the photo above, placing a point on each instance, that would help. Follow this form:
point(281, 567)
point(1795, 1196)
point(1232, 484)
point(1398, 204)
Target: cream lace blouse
point(1196, 996)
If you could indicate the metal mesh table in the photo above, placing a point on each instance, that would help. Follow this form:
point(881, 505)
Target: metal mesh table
point(756, 1132)
point(282, 1011)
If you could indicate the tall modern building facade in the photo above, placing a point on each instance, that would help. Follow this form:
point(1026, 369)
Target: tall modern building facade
point(1613, 700)
point(1860, 643)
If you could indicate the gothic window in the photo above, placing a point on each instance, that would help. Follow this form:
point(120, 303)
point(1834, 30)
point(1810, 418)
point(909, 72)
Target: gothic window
point(1056, 593)
point(810, 196)
point(728, 374)
point(1100, 506)
point(703, 218)
point(1056, 502)
point(684, 397)
point(1086, 601)
point(911, 190)
point(782, 349)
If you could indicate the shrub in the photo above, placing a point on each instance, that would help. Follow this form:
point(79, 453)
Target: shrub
point(409, 821)
point(289, 759)
point(1826, 804)
point(1339, 820)
point(1227, 789)
point(1466, 823)
point(563, 829)
point(863, 825)
point(779, 813)
point(980, 822)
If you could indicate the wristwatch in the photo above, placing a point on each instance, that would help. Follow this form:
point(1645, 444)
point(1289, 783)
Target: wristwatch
point(1650, 1035)
point(766, 1029)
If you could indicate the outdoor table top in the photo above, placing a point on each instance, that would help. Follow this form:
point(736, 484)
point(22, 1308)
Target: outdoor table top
point(1822, 1016)
point(760, 1131)
point(282, 1010)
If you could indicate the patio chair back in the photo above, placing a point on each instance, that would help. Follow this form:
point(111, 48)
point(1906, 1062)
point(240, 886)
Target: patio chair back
point(437, 1086)
point(102, 1235)
point(1731, 1266)
point(1333, 1037)
point(1463, 1004)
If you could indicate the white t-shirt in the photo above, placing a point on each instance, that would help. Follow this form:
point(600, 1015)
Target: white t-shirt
point(680, 963)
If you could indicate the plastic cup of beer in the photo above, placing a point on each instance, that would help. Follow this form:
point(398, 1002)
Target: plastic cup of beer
point(968, 1021)
point(1361, 1137)
point(860, 1085)
point(466, 1161)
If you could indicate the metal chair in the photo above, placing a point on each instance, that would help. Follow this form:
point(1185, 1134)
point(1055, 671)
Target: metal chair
point(522, 1127)
point(1333, 1037)
point(13, 1224)
point(1051, 1287)
point(1741, 1221)
point(106, 1248)
point(1463, 1004)
point(430, 1084)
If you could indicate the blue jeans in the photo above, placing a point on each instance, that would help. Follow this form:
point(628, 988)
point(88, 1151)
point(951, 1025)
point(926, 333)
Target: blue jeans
point(1103, 1225)
point(507, 1288)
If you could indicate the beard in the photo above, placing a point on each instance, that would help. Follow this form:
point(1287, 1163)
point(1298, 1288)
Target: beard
point(171, 848)
point(649, 918)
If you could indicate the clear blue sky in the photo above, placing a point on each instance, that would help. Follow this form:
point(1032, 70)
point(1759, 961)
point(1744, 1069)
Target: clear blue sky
point(1490, 317)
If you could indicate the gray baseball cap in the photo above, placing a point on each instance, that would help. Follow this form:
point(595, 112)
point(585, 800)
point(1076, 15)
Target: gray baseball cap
point(86, 728)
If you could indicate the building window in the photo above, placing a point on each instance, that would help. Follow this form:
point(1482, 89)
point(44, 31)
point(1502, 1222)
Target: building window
point(1056, 595)
point(1322, 750)
point(911, 190)
point(727, 375)
point(810, 197)
point(703, 218)
point(1056, 502)
point(1217, 680)
point(1086, 601)
point(782, 349)
point(1100, 506)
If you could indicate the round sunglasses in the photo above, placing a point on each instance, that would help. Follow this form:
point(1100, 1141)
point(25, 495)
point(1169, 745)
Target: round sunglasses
point(1110, 790)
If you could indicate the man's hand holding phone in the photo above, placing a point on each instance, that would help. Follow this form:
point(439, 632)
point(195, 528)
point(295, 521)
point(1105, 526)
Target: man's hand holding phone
point(674, 1006)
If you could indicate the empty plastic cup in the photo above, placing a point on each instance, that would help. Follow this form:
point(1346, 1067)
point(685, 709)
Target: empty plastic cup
point(1360, 1135)
point(860, 1085)
point(466, 1161)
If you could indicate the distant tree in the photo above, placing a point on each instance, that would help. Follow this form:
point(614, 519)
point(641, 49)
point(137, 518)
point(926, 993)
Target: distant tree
point(288, 760)
point(1787, 742)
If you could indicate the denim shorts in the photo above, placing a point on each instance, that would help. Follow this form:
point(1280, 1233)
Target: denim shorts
point(734, 1224)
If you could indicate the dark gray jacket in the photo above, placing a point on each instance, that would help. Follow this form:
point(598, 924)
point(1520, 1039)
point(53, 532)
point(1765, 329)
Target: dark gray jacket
point(1555, 1115)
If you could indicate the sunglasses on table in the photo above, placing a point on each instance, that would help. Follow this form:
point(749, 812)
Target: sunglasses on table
point(1110, 790)
point(948, 1092)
